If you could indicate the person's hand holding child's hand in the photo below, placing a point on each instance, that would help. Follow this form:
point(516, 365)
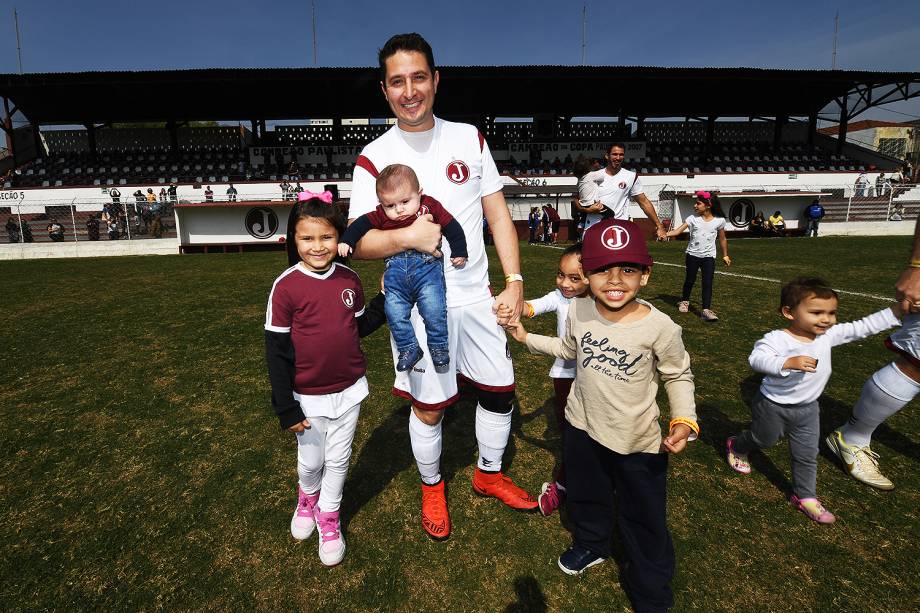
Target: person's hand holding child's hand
point(344, 250)
point(458, 262)
point(517, 331)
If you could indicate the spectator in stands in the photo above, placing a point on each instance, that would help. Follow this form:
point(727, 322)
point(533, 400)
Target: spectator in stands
point(297, 189)
point(113, 228)
point(173, 193)
point(151, 197)
point(231, 193)
point(758, 225)
point(776, 224)
point(862, 185)
point(139, 200)
point(55, 231)
point(12, 230)
point(106, 211)
point(285, 190)
point(813, 215)
point(209, 194)
point(116, 196)
point(27, 232)
point(163, 195)
point(882, 184)
point(156, 224)
point(92, 227)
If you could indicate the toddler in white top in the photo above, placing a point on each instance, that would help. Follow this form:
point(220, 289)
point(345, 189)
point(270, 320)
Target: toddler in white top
point(796, 363)
point(571, 282)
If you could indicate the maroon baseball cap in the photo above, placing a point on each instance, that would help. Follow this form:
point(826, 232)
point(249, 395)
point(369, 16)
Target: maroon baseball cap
point(613, 241)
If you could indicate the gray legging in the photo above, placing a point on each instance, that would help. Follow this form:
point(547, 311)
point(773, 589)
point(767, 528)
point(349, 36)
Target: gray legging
point(798, 423)
point(708, 265)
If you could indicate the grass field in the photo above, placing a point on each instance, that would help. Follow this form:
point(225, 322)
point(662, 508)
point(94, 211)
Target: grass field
point(141, 465)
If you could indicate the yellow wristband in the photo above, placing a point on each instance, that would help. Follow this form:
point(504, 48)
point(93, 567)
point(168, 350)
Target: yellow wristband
point(530, 310)
point(687, 422)
point(915, 264)
point(513, 277)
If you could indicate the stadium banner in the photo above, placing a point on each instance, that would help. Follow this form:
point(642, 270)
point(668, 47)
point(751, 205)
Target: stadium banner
point(549, 151)
point(266, 156)
point(303, 154)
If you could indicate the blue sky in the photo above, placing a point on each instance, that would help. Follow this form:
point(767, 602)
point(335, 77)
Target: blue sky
point(73, 35)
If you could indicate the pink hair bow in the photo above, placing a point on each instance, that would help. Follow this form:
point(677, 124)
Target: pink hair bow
point(306, 194)
point(703, 194)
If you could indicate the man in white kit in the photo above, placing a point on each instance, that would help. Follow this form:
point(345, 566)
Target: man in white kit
point(454, 166)
point(615, 187)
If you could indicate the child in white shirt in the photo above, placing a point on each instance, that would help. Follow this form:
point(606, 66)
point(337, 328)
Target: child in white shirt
point(796, 363)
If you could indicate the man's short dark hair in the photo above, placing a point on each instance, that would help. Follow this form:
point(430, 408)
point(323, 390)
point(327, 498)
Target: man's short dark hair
point(801, 288)
point(617, 144)
point(404, 42)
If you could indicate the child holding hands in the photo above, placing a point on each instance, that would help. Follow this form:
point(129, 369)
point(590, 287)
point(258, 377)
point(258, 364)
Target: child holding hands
point(796, 363)
point(613, 449)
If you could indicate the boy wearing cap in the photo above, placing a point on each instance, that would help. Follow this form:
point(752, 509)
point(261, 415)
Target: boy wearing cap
point(613, 451)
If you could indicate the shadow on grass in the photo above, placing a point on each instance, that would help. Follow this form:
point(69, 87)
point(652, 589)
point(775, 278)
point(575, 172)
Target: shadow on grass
point(719, 426)
point(530, 598)
point(386, 453)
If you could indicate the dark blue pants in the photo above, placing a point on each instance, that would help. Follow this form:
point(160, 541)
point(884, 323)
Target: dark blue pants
point(604, 486)
point(416, 278)
point(694, 264)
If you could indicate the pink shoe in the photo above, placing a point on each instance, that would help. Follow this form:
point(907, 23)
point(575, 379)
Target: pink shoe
point(551, 498)
point(331, 541)
point(737, 461)
point(813, 509)
point(303, 522)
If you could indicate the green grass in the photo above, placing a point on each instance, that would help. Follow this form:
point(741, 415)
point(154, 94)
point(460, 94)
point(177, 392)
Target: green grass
point(141, 465)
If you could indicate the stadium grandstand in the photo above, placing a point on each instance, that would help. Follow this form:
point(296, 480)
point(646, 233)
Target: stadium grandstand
point(63, 160)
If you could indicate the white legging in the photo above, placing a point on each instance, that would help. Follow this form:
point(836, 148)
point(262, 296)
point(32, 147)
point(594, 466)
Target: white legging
point(323, 451)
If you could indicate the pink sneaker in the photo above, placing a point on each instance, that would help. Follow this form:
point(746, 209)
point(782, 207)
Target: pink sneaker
point(551, 498)
point(331, 541)
point(737, 461)
point(303, 522)
point(813, 509)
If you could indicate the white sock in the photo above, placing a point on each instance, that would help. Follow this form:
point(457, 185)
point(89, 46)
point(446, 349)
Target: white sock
point(426, 447)
point(492, 432)
point(884, 394)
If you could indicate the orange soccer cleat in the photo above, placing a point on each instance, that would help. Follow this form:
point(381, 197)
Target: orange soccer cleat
point(498, 485)
point(435, 519)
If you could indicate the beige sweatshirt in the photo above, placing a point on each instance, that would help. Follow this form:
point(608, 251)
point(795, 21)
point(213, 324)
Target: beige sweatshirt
point(618, 367)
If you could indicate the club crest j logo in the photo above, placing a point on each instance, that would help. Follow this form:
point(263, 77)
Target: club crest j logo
point(348, 297)
point(615, 238)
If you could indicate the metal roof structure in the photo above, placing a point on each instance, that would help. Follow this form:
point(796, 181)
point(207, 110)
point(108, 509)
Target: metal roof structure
point(91, 98)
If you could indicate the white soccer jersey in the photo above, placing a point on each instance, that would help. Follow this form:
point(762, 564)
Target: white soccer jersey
point(703, 235)
point(614, 191)
point(556, 302)
point(457, 169)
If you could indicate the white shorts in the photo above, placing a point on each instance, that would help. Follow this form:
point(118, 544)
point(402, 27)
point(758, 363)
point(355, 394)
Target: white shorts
point(479, 353)
point(906, 339)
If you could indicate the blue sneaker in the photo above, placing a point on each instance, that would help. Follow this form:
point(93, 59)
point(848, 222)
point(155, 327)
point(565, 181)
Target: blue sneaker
point(441, 360)
point(576, 560)
point(409, 358)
